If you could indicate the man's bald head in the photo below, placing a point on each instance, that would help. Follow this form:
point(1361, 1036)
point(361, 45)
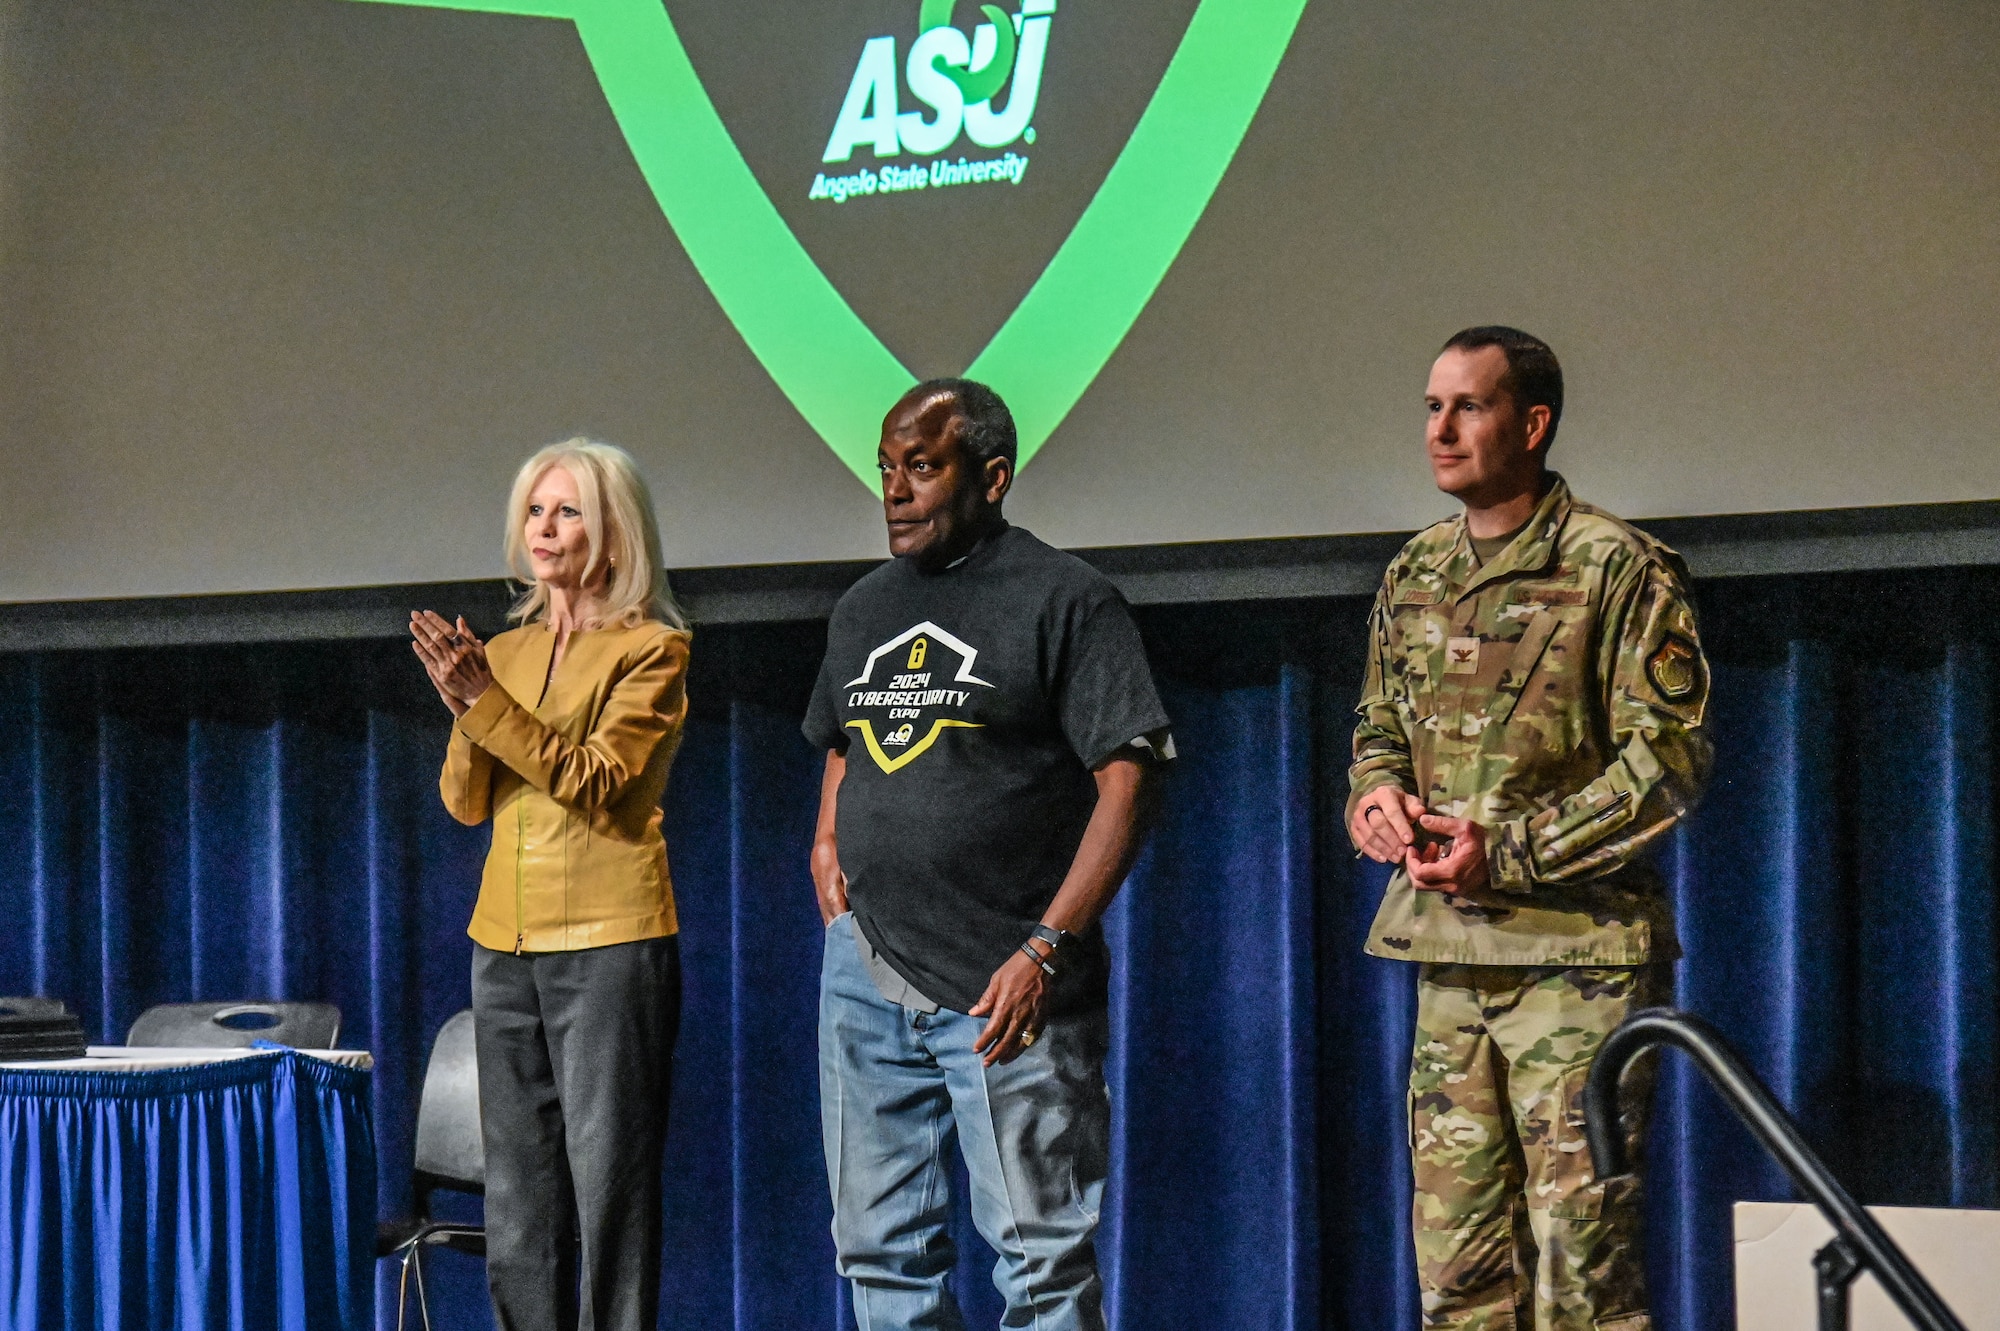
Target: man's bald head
point(985, 428)
point(947, 460)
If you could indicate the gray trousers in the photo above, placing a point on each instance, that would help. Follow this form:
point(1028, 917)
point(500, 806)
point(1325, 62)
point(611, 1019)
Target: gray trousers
point(575, 1053)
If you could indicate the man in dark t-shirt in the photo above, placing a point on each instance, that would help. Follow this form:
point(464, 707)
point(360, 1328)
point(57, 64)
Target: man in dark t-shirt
point(992, 737)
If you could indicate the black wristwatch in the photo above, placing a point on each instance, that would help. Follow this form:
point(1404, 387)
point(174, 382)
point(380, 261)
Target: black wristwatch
point(1055, 938)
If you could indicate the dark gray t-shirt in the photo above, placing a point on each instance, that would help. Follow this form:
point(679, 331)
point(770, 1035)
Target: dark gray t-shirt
point(972, 704)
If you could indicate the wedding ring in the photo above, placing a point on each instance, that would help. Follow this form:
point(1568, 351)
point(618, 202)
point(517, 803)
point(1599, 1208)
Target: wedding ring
point(1027, 1038)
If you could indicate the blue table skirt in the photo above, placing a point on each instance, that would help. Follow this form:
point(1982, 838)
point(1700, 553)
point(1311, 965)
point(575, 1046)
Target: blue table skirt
point(234, 1195)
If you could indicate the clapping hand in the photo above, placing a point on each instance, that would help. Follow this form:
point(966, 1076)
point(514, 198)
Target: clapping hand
point(453, 658)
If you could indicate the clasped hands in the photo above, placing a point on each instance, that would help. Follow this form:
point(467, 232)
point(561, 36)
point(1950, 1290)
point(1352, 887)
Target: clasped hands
point(453, 658)
point(1441, 854)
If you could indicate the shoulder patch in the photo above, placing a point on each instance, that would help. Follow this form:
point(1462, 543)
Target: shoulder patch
point(1674, 667)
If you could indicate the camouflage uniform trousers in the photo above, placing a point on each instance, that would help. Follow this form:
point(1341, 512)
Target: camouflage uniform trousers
point(1496, 1138)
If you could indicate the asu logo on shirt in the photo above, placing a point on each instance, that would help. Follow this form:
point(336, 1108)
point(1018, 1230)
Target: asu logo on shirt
point(912, 689)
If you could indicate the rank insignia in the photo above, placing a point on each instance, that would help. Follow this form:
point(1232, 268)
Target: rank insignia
point(1461, 656)
point(1674, 667)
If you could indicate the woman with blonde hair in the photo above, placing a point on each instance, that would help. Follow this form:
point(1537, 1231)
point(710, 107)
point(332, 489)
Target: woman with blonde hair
point(564, 729)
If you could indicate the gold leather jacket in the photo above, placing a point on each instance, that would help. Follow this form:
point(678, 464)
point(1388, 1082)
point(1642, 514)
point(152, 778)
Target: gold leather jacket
point(570, 767)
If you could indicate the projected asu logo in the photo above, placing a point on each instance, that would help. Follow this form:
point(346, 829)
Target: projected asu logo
point(833, 368)
point(957, 80)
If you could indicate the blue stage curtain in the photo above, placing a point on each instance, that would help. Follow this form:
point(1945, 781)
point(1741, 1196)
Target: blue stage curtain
point(263, 822)
point(1836, 897)
point(238, 1195)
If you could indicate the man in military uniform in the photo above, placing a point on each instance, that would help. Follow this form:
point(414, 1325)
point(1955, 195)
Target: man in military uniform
point(1530, 726)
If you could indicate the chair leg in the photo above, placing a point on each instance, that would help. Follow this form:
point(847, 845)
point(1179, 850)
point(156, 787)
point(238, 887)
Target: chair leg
point(403, 1288)
point(423, 1300)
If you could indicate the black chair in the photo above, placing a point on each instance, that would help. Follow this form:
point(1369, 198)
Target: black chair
point(450, 1155)
point(236, 1025)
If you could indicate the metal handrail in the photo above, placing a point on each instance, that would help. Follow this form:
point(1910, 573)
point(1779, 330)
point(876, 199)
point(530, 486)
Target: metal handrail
point(1859, 1244)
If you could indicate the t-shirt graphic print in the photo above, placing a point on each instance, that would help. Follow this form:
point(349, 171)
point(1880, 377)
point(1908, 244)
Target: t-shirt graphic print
point(971, 704)
point(913, 687)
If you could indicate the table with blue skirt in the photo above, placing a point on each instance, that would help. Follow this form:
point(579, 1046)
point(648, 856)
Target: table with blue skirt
point(189, 1189)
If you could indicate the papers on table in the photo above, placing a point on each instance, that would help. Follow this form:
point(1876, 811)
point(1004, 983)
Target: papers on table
point(127, 1058)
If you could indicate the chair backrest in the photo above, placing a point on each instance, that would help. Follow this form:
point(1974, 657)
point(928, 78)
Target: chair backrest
point(237, 1025)
point(450, 1151)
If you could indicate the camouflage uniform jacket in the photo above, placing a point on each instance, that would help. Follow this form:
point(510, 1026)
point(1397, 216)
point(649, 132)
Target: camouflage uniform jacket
point(1554, 696)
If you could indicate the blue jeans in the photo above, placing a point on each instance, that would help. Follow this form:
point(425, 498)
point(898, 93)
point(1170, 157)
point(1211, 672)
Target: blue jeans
point(896, 1089)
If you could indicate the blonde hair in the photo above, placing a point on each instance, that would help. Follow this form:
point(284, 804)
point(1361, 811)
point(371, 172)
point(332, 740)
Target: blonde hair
point(619, 523)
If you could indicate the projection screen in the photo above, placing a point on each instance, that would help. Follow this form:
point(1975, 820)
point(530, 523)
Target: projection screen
point(291, 286)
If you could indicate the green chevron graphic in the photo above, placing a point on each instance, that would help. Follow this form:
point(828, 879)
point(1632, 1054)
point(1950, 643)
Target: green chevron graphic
point(832, 367)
